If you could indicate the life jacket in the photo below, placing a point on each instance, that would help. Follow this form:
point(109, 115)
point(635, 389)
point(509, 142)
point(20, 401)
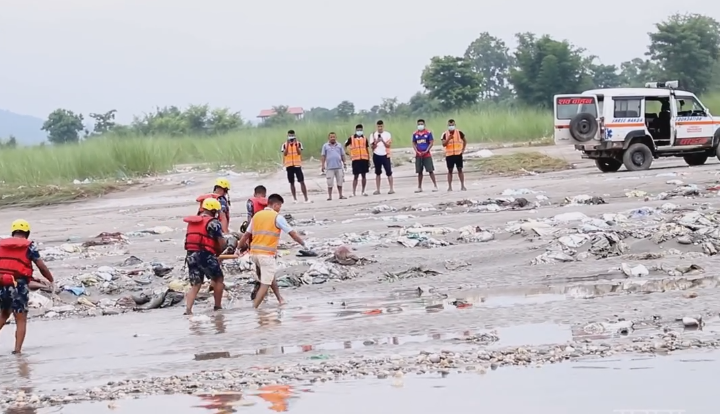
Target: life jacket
point(265, 234)
point(454, 144)
point(293, 158)
point(14, 261)
point(197, 238)
point(258, 203)
point(203, 197)
point(358, 148)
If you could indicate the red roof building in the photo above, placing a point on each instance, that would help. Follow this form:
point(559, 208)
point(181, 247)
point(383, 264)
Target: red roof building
point(297, 111)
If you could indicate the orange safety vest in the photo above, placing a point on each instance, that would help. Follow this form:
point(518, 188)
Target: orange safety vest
point(203, 197)
point(197, 238)
point(454, 144)
point(14, 261)
point(265, 234)
point(258, 203)
point(358, 148)
point(292, 159)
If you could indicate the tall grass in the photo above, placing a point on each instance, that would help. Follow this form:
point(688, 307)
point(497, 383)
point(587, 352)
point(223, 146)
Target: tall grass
point(103, 158)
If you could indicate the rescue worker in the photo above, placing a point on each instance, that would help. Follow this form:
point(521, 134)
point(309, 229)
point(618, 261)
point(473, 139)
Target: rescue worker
point(263, 236)
point(454, 142)
point(17, 255)
point(360, 156)
point(204, 241)
point(292, 160)
point(220, 193)
point(255, 204)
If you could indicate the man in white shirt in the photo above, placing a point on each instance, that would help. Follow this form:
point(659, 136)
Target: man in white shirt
point(381, 142)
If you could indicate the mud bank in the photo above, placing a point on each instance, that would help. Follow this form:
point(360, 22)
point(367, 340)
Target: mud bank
point(516, 271)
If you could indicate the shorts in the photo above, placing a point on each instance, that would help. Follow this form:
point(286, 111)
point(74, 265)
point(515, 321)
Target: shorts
point(454, 161)
point(203, 265)
point(294, 173)
point(334, 176)
point(15, 298)
point(360, 167)
point(424, 164)
point(382, 162)
point(265, 268)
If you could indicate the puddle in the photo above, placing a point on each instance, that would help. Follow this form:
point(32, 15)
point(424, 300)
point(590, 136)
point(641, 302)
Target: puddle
point(95, 350)
point(588, 387)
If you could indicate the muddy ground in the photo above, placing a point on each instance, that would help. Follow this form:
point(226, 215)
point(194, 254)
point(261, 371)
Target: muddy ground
point(493, 276)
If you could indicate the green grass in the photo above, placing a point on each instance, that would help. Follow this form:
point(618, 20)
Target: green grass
point(113, 159)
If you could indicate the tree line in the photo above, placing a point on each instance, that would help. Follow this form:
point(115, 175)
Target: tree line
point(684, 47)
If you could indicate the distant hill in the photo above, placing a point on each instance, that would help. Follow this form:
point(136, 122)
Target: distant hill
point(25, 128)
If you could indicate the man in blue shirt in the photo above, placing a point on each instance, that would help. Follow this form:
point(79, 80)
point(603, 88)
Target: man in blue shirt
point(422, 143)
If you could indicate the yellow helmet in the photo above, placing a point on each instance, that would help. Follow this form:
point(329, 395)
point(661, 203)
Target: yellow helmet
point(223, 183)
point(20, 225)
point(211, 204)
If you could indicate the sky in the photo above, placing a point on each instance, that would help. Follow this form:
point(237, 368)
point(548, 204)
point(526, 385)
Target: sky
point(133, 55)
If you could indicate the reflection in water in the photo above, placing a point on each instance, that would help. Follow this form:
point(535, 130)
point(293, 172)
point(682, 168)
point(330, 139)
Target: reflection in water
point(267, 317)
point(277, 396)
point(198, 324)
point(224, 402)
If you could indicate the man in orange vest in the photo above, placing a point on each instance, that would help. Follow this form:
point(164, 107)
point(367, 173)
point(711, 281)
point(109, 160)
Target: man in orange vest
point(204, 241)
point(360, 156)
point(255, 204)
point(17, 255)
point(453, 140)
point(263, 236)
point(292, 160)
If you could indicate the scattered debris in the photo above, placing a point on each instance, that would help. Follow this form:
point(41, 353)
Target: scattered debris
point(411, 273)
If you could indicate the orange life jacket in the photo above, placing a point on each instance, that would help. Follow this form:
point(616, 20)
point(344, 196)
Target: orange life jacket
point(293, 158)
point(454, 144)
point(258, 203)
point(197, 238)
point(14, 261)
point(203, 197)
point(358, 148)
point(265, 234)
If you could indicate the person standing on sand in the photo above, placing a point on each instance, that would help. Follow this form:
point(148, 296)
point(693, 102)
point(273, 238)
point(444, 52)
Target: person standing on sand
point(454, 142)
point(381, 141)
point(292, 160)
point(360, 156)
point(333, 157)
point(423, 141)
point(263, 236)
point(204, 241)
point(17, 255)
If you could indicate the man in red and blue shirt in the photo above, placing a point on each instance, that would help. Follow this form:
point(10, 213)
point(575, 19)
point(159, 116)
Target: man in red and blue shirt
point(422, 143)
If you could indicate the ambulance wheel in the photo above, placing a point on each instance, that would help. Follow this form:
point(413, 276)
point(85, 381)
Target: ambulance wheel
point(695, 159)
point(608, 164)
point(637, 157)
point(583, 127)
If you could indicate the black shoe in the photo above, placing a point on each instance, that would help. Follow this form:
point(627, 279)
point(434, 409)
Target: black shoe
point(254, 292)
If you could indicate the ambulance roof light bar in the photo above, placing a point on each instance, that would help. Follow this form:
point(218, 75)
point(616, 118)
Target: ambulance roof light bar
point(668, 85)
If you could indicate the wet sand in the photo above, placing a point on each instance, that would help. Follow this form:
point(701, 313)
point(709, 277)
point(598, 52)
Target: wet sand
point(593, 387)
point(526, 305)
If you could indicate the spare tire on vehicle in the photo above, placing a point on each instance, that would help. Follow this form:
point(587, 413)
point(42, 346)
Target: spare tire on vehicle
point(583, 127)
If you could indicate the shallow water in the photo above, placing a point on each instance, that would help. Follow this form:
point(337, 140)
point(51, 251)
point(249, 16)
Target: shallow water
point(672, 383)
point(93, 351)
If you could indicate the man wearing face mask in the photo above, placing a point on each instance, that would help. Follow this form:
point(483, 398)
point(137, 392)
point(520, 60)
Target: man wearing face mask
point(360, 155)
point(454, 142)
point(292, 159)
point(422, 143)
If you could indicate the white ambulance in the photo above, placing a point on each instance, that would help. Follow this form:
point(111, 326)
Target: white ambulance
point(633, 126)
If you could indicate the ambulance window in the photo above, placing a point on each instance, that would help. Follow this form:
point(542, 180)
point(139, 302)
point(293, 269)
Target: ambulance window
point(568, 107)
point(627, 108)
